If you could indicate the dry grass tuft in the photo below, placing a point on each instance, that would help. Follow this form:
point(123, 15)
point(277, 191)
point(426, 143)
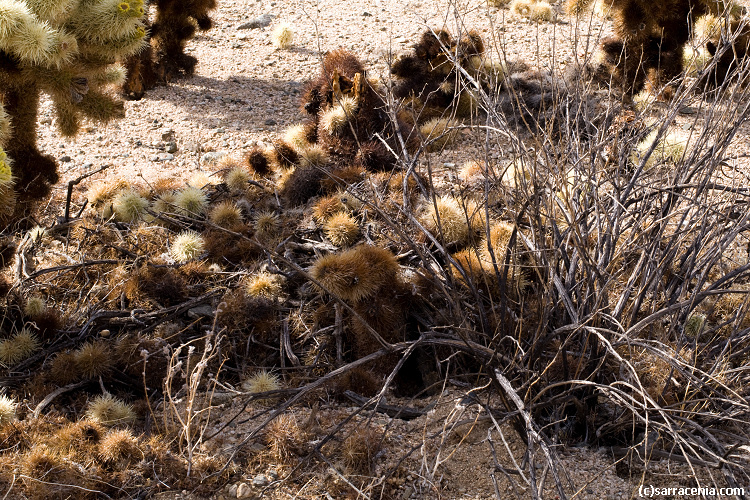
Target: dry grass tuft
point(285, 438)
point(360, 448)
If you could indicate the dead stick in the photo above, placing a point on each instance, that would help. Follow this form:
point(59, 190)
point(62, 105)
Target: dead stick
point(287, 343)
point(72, 266)
point(73, 183)
point(52, 395)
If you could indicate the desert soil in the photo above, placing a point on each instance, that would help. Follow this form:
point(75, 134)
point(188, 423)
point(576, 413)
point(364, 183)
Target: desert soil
point(246, 92)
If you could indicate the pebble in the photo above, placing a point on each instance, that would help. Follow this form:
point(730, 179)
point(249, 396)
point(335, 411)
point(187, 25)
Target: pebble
point(200, 311)
point(167, 134)
point(232, 491)
point(212, 157)
point(258, 22)
point(244, 491)
point(163, 157)
point(65, 159)
point(260, 480)
point(171, 147)
point(270, 122)
point(221, 397)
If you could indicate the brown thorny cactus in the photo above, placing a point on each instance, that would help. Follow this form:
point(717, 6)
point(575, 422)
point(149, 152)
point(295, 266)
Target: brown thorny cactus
point(650, 39)
point(175, 23)
point(69, 50)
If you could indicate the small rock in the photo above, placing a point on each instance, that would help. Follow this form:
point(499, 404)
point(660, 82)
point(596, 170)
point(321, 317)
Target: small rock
point(366, 14)
point(167, 134)
point(260, 481)
point(232, 491)
point(255, 447)
point(171, 147)
point(221, 397)
point(270, 122)
point(65, 159)
point(244, 491)
point(162, 157)
point(104, 333)
point(258, 22)
point(273, 474)
point(200, 311)
point(217, 131)
point(212, 157)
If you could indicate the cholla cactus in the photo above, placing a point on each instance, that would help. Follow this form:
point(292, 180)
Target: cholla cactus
point(67, 49)
point(7, 183)
point(175, 23)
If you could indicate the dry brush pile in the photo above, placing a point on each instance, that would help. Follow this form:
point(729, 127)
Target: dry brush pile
point(596, 284)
